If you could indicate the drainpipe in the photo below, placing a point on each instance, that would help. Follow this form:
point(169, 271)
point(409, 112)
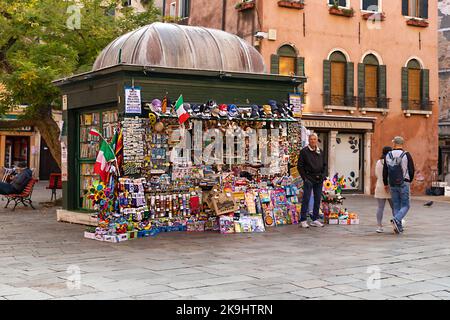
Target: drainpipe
point(164, 9)
point(224, 14)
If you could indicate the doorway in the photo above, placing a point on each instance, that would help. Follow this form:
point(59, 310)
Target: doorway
point(17, 150)
point(47, 163)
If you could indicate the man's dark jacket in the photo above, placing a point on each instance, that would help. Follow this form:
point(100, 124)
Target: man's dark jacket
point(312, 165)
point(21, 180)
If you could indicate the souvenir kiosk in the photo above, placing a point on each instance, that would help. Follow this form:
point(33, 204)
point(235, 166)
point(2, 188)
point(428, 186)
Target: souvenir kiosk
point(148, 91)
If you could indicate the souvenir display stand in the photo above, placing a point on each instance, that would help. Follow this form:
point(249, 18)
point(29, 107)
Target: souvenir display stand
point(149, 192)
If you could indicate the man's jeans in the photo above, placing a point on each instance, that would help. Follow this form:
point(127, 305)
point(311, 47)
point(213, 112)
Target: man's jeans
point(6, 188)
point(316, 188)
point(400, 199)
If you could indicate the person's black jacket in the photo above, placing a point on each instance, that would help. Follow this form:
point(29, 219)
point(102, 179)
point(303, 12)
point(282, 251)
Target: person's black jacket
point(312, 165)
point(21, 180)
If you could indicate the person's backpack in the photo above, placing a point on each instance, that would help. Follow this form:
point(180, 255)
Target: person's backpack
point(395, 170)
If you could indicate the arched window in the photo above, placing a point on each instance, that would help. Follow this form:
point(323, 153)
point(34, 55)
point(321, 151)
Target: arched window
point(415, 86)
point(286, 62)
point(372, 83)
point(288, 58)
point(338, 80)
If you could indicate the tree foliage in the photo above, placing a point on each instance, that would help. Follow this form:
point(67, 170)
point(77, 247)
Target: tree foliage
point(43, 40)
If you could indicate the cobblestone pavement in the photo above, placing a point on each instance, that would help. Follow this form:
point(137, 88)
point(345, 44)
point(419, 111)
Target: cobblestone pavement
point(38, 258)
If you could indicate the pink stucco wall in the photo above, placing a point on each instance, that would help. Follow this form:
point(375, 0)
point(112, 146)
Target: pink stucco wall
point(394, 42)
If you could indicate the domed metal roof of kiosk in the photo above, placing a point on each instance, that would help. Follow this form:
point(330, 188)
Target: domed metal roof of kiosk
point(185, 47)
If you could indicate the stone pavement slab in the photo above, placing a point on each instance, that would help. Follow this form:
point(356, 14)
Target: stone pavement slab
point(334, 262)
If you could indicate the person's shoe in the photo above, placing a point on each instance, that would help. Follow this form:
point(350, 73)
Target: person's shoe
point(316, 223)
point(395, 225)
point(304, 224)
point(403, 223)
point(400, 227)
point(380, 230)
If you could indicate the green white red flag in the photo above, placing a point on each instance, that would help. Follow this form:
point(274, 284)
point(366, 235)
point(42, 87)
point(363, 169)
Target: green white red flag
point(181, 112)
point(105, 155)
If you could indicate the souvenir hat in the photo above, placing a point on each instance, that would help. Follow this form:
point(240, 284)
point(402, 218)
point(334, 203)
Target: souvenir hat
point(156, 105)
point(233, 111)
point(223, 108)
point(274, 107)
point(187, 107)
point(215, 112)
point(261, 111)
point(255, 112)
point(206, 109)
point(196, 109)
point(267, 109)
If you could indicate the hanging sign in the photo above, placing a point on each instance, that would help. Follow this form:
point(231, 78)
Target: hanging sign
point(63, 161)
point(133, 100)
point(295, 102)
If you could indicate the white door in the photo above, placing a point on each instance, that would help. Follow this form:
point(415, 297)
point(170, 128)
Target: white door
point(348, 159)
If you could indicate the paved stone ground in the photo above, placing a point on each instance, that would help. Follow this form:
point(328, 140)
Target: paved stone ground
point(336, 262)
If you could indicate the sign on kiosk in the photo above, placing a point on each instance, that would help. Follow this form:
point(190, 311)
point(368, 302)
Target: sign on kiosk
point(133, 100)
point(295, 101)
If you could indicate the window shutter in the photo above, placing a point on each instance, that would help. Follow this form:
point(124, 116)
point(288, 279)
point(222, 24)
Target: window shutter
point(405, 7)
point(405, 88)
point(424, 9)
point(361, 84)
point(300, 66)
point(425, 82)
point(349, 84)
point(382, 86)
point(274, 64)
point(327, 82)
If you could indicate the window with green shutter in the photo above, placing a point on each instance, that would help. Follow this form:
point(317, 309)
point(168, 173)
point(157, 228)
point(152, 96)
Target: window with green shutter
point(287, 62)
point(338, 80)
point(415, 87)
point(371, 83)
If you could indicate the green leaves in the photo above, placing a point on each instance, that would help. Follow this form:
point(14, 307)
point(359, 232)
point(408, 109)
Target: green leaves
point(37, 46)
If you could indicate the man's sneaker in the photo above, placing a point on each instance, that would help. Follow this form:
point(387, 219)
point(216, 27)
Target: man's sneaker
point(400, 226)
point(395, 225)
point(380, 230)
point(304, 224)
point(316, 223)
point(403, 223)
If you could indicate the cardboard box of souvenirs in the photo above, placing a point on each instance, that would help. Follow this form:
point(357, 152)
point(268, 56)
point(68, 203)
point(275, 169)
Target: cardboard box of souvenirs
point(115, 238)
point(93, 236)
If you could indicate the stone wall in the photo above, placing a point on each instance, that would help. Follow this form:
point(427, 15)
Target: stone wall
point(444, 59)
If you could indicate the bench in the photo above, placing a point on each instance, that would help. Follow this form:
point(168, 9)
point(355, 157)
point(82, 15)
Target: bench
point(54, 182)
point(24, 197)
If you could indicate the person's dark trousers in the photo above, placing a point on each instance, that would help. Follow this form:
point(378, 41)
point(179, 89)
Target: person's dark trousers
point(309, 187)
point(6, 188)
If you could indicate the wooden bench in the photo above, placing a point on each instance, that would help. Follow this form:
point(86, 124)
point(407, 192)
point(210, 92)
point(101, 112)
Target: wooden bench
point(24, 197)
point(54, 182)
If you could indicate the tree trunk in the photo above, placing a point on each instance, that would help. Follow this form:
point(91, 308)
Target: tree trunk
point(48, 129)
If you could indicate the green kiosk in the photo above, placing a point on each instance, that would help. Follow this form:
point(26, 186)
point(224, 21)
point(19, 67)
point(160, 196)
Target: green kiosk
point(162, 60)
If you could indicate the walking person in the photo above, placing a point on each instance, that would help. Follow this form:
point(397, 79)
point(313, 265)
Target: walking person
point(398, 173)
point(381, 194)
point(312, 168)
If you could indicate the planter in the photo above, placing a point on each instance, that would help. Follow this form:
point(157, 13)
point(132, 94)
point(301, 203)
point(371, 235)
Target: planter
point(417, 23)
point(341, 12)
point(291, 4)
point(245, 6)
point(379, 16)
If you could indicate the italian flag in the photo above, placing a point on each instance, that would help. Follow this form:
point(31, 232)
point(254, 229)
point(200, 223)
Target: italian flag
point(181, 113)
point(105, 155)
